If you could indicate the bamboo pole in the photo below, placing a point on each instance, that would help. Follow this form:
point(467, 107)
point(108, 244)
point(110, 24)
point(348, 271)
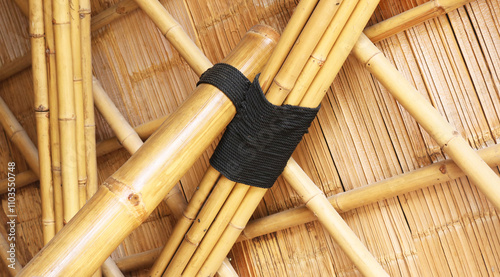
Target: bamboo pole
point(41, 107)
point(316, 201)
point(212, 235)
point(66, 104)
point(112, 13)
point(76, 47)
point(15, 66)
point(22, 179)
point(138, 261)
point(132, 193)
point(53, 119)
point(175, 35)
point(226, 269)
point(183, 223)
point(18, 136)
point(110, 269)
point(429, 118)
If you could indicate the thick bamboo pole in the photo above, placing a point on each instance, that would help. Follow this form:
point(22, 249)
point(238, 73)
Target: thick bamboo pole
point(430, 119)
point(18, 136)
point(67, 116)
point(41, 107)
point(132, 193)
point(175, 35)
point(316, 201)
point(53, 120)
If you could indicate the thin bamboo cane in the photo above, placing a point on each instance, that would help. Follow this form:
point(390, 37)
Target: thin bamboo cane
point(223, 218)
point(88, 99)
point(316, 201)
point(22, 179)
point(110, 269)
point(430, 119)
point(198, 229)
point(18, 136)
point(411, 18)
point(175, 35)
point(226, 269)
point(131, 193)
point(66, 104)
point(76, 47)
point(337, 56)
point(182, 226)
point(54, 111)
point(233, 230)
point(318, 56)
point(436, 173)
point(41, 106)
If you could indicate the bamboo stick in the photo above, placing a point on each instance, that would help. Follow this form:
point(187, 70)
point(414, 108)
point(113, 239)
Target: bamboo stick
point(15, 66)
point(110, 269)
point(112, 13)
point(212, 235)
point(198, 229)
point(182, 226)
point(430, 119)
point(412, 17)
point(316, 201)
point(66, 104)
point(18, 136)
point(175, 35)
point(138, 261)
point(88, 99)
point(233, 230)
point(54, 111)
point(131, 193)
point(22, 179)
point(76, 47)
point(226, 269)
point(41, 106)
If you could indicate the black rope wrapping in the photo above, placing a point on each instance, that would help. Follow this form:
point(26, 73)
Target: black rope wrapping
point(261, 137)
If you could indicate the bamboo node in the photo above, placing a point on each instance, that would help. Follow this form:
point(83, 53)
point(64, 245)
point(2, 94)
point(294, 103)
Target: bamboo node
point(314, 196)
point(135, 199)
point(443, 169)
point(129, 197)
point(15, 133)
point(188, 240)
point(319, 61)
point(41, 108)
point(121, 10)
point(187, 217)
point(171, 28)
point(455, 134)
point(236, 227)
point(36, 35)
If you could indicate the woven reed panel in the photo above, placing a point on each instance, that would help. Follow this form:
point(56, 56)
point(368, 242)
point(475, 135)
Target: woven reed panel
point(361, 135)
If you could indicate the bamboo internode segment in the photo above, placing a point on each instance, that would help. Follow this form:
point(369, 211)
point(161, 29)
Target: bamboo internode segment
point(411, 18)
point(41, 107)
point(112, 13)
point(316, 201)
point(430, 119)
point(129, 195)
point(67, 116)
point(18, 136)
point(175, 35)
point(109, 269)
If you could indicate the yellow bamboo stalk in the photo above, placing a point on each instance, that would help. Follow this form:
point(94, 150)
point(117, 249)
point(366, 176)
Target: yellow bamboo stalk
point(429, 118)
point(288, 37)
point(318, 56)
point(212, 235)
point(110, 269)
point(76, 47)
point(316, 26)
point(41, 106)
point(131, 194)
point(316, 201)
point(183, 223)
point(18, 136)
point(54, 111)
point(199, 227)
point(138, 261)
point(233, 230)
point(88, 99)
point(411, 18)
point(175, 35)
point(66, 104)
point(22, 179)
point(226, 269)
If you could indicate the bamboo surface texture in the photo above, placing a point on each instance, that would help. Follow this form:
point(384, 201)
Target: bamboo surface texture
point(362, 142)
point(137, 203)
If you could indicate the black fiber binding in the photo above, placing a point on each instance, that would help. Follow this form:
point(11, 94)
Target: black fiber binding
point(260, 139)
point(228, 79)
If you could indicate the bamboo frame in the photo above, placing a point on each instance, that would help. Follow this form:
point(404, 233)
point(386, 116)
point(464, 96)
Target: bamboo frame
point(429, 118)
point(66, 97)
point(41, 107)
point(18, 136)
point(131, 193)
